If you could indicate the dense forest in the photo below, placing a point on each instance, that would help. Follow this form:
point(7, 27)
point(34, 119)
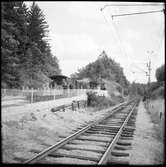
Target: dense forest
point(26, 55)
point(103, 68)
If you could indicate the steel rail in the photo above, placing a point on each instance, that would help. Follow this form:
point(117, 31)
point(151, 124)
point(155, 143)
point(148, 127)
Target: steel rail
point(104, 158)
point(50, 149)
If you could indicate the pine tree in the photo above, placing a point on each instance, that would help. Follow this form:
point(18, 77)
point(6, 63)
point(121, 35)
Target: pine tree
point(21, 22)
point(41, 60)
point(9, 46)
point(26, 55)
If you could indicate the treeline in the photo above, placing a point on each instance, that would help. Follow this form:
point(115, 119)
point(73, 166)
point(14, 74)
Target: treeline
point(157, 89)
point(26, 55)
point(160, 73)
point(103, 68)
point(154, 89)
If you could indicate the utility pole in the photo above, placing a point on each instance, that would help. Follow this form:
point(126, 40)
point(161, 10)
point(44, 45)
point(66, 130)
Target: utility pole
point(137, 13)
point(149, 77)
point(149, 71)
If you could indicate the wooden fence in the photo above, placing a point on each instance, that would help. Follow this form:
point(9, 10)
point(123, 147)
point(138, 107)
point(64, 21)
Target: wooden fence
point(36, 95)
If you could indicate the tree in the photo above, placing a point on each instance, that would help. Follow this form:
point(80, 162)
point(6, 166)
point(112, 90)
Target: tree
point(9, 46)
point(26, 55)
point(104, 67)
point(160, 73)
point(39, 60)
point(37, 31)
point(51, 66)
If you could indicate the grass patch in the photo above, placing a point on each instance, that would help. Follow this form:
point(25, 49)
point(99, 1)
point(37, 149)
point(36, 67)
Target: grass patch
point(156, 109)
point(99, 102)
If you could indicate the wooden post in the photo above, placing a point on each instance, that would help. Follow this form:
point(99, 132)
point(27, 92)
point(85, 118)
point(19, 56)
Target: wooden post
point(68, 92)
point(85, 104)
point(78, 104)
point(54, 94)
point(72, 106)
point(23, 90)
point(4, 91)
point(63, 108)
point(32, 95)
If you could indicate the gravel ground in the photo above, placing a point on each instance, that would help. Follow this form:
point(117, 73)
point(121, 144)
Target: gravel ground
point(147, 150)
point(15, 111)
point(28, 127)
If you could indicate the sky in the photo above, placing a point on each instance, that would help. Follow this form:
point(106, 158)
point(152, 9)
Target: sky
point(79, 31)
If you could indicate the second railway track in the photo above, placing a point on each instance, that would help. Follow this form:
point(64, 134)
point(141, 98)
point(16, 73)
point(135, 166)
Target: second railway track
point(103, 141)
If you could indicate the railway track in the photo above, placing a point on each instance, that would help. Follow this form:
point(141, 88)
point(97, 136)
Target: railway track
point(101, 142)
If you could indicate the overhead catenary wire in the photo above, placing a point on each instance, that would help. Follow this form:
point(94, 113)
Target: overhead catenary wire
point(116, 39)
point(149, 62)
point(146, 12)
point(160, 40)
point(120, 40)
point(145, 4)
point(140, 69)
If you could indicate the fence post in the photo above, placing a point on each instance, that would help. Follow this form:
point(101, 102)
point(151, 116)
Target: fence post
point(32, 95)
point(4, 91)
point(78, 104)
point(23, 91)
point(54, 93)
point(72, 106)
point(68, 92)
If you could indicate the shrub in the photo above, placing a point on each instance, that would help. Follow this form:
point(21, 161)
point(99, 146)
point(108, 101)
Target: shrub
point(98, 101)
point(154, 86)
point(158, 93)
point(117, 99)
point(160, 73)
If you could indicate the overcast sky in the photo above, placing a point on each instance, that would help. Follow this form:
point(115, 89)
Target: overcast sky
point(79, 32)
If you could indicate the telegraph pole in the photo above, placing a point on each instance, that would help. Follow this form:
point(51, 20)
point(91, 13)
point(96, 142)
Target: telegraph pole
point(137, 13)
point(149, 71)
point(148, 74)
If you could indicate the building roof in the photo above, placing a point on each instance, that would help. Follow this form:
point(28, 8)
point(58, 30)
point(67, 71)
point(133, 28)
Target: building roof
point(58, 77)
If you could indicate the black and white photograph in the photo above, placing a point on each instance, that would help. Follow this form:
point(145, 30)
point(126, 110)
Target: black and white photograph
point(83, 82)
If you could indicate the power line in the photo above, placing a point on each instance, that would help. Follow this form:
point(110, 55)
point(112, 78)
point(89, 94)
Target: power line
point(123, 51)
point(104, 18)
point(145, 12)
point(113, 33)
point(160, 41)
point(140, 69)
point(150, 4)
point(120, 40)
point(126, 14)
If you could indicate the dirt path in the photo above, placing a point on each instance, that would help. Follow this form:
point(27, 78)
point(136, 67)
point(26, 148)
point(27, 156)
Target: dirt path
point(12, 111)
point(11, 101)
point(146, 148)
